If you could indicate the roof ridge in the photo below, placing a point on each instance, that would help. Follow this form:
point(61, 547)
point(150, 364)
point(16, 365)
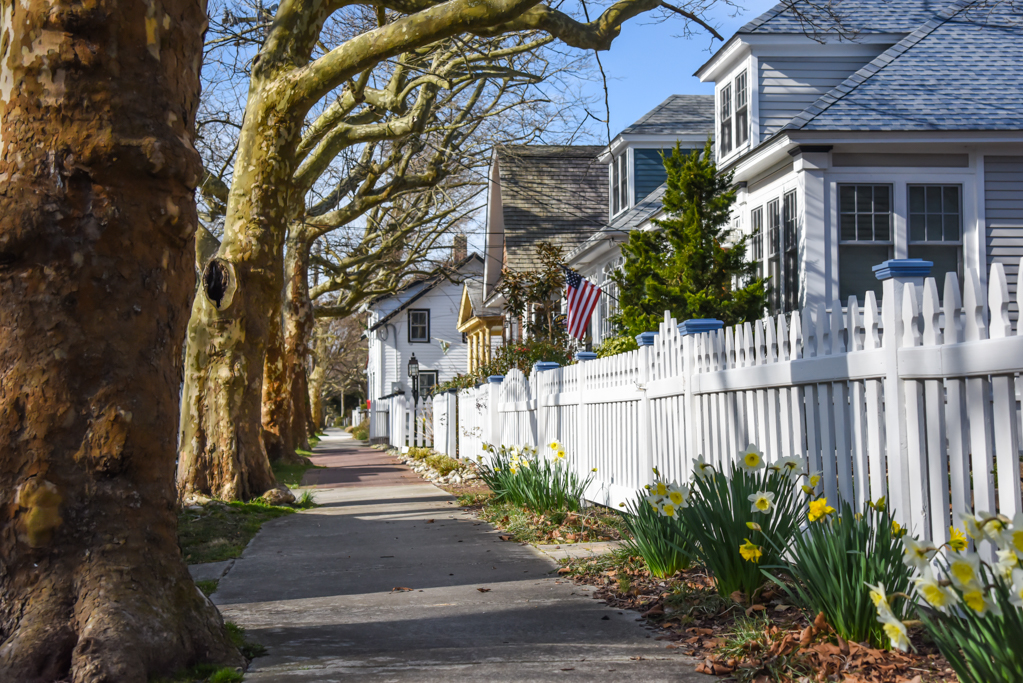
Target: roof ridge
point(878, 64)
point(754, 24)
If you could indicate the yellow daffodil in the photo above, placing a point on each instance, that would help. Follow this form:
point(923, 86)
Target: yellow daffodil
point(964, 568)
point(751, 459)
point(555, 446)
point(701, 468)
point(819, 508)
point(750, 552)
point(762, 501)
point(918, 554)
point(956, 539)
point(879, 505)
point(753, 525)
point(594, 469)
point(808, 490)
point(660, 488)
point(668, 510)
point(815, 479)
point(936, 595)
point(897, 530)
point(560, 455)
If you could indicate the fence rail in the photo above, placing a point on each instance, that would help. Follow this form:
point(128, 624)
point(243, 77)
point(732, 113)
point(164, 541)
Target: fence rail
point(916, 399)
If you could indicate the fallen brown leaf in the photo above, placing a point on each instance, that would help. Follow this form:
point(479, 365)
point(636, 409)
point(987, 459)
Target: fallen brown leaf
point(483, 590)
point(400, 589)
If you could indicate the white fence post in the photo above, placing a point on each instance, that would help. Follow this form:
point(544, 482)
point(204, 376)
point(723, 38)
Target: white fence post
point(644, 419)
point(583, 433)
point(696, 335)
point(895, 275)
point(493, 422)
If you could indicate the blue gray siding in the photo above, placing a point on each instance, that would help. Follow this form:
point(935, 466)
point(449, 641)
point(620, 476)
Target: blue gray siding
point(649, 172)
point(788, 85)
point(1003, 212)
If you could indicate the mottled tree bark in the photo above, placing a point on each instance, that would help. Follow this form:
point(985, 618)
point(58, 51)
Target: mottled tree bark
point(298, 327)
point(97, 173)
point(276, 408)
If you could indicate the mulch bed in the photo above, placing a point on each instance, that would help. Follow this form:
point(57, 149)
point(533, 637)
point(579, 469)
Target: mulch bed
point(787, 646)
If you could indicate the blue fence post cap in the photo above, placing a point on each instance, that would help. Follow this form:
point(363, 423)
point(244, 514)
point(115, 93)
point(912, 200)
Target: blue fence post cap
point(585, 355)
point(646, 339)
point(902, 267)
point(699, 325)
point(495, 379)
point(542, 365)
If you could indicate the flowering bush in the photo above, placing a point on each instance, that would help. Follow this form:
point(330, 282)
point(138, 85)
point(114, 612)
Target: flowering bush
point(657, 534)
point(731, 517)
point(972, 609)
point(520, 475)
point(835, 557)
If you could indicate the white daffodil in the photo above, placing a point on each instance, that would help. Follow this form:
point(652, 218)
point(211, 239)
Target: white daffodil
point(996, 528)
point(972, 525)
point(879, 597)
point(964, 568)
point(555, 446)
point(895, 630)
point(679, 496)
point(918, 554)
point(938, 596)
point(1017, 588)
point(977, 599)
point(655, 502)
point(668, 510)
point(1007, 562)
point(793, 465)
point(762, 501)
point(1014, 535)
point(702, 468)
point(751, 459)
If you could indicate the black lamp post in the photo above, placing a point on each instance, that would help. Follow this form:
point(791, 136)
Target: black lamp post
point(413, 373)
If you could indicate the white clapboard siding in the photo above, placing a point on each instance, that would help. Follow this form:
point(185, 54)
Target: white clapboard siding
point(915, 400)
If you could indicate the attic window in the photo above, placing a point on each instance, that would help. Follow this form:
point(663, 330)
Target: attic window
point(741, 110)
point(619, 183)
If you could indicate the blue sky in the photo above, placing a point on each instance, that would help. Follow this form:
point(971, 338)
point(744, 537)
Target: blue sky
point(647, 62)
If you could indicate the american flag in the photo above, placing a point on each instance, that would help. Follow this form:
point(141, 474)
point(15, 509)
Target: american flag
point(582, 298)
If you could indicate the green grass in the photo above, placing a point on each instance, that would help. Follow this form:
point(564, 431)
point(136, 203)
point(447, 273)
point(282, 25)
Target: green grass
point(207, 587)
point(526, 526)
point(290, 474)
point(220, 531)
point(204, 673)
point(237, 635)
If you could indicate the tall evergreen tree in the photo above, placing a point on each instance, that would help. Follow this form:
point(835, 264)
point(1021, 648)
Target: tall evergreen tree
point(693, 266)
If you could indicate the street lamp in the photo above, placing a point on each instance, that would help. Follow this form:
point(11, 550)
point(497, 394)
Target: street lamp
point(413, 373)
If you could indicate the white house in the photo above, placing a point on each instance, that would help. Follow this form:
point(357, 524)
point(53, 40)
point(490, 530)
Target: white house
point(894, 132)
point(420, 319)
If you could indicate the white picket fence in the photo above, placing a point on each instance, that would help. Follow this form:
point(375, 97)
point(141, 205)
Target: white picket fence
point(917, 400)
point(398, 422)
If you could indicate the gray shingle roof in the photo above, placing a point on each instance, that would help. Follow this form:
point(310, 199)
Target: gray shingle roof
point(863, 16)
point(958, 71)
point(637, 215)
point(677, 115)
point(552, 193)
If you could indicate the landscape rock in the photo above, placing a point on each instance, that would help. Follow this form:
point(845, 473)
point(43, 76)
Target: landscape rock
point(281, 495)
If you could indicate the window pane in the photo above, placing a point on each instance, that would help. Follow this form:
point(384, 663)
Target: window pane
point(945, 258)
point(933, 199)
point(916, 200)
point(741, 126)
point(917, 224)
point(933, 226)
point(848, 227)
point(952, 227)
point(882, 199)
point(855, 269)
point(864, 198)
point(951, 195)
point(847, 198)
point(865, 227)
point(882, 227)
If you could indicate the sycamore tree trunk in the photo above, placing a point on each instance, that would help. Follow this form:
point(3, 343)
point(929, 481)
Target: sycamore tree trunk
point(276, 408)
point(222, 453)
point(97, 173)
point(316, 376)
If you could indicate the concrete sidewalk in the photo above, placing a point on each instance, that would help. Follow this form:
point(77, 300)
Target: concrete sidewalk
point(394, 583)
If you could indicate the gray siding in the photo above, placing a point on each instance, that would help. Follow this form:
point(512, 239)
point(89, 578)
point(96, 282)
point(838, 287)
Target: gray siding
point(788, 85)
point(649, 172)
point(1003, 211)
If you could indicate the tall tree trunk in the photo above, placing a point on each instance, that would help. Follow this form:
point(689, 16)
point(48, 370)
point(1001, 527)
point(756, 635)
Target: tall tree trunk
point(316, 377)
point(298, 327)
point(276, 408)
point(97, 173)
point(222, 453)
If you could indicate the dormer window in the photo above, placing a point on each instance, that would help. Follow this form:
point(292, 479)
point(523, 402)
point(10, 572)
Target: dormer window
point(619, 183)
point(733, 112)
point(725, 143)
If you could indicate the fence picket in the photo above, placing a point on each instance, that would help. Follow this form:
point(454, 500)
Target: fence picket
point(1003, 400)
point(956, 418)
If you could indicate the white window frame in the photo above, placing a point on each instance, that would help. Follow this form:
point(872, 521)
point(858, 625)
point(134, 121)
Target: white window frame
point(417, 340)
point(728, 90)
